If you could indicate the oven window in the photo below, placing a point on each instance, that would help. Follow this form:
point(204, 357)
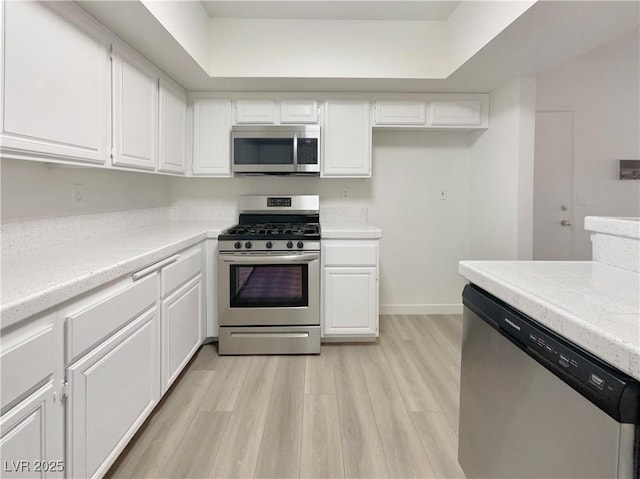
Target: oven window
point(263, 151)
point(269, 286)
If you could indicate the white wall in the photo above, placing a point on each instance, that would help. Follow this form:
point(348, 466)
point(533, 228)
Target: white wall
point(423, 237)
point(502, 176)
point(326, 48)
point(34, 190)
point(601, 88)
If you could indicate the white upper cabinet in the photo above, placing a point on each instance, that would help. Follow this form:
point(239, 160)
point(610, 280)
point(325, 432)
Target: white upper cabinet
point(212, 137)
point(299, 111)
point(135, 109)
point(55, 84)
point(173, 121)
point(400, 112)
point(346, 139)
point(255, 111)
point(464, 113)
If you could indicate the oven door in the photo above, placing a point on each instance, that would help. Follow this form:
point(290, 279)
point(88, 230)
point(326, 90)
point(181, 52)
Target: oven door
point(269, 289)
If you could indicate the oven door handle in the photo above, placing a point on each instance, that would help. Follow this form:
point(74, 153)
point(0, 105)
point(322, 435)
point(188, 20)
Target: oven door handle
point(275, 258)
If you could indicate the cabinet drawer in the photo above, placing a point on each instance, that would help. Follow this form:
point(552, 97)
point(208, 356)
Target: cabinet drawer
point(27, 361)
point(89, 326)
point(350, 253)
point(188, 265)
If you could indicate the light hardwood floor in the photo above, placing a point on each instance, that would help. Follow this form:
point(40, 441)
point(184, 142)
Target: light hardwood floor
point(380, 410)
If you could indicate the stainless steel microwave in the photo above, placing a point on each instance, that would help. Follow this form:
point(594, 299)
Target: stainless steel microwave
point(276, 150)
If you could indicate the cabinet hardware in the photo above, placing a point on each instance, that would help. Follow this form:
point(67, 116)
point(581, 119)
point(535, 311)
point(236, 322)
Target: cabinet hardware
point(154, 267)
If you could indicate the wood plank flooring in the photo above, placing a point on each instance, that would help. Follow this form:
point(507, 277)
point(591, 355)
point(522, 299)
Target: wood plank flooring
point(383, 410)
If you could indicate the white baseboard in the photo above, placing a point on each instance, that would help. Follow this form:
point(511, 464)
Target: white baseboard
point(420, 309)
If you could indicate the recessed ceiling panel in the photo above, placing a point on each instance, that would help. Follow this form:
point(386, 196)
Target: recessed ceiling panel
point(332, 10)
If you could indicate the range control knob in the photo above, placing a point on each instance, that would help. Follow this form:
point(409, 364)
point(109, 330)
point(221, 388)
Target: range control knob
point(247, 245)
point(269, 245)
point(300, 244)
point(237, 245)
point(289, 244)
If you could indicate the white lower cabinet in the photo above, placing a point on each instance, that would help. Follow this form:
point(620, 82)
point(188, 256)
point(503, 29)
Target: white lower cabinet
point(32, 436)
point(182, 328)
point(111, 392)
point(350, 288)
point(31, 425)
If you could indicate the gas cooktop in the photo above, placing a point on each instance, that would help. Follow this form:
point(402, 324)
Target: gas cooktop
point(266, 231)
point(274, 223)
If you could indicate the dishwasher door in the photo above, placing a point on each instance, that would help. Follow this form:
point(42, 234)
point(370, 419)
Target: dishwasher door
point(517, 419)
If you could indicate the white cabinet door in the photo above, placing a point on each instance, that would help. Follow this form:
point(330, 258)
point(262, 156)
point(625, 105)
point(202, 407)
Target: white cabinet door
point(255, 111)
point(32, 436)
point(456, 113)
point(347, 139)
point(55, 84)
point(111, 392)
point(135, 106)
point(400, 112)
point(212, 137)
point(173, 123)
point(182, 329)
point(299, 111)
point(350, 301)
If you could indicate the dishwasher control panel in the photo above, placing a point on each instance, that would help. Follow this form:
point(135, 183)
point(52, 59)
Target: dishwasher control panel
point(611, 390)
point(562, 356)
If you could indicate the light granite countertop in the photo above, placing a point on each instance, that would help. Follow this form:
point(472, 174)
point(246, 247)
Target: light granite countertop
point(36, 280)
point(593, 305)
point(335, 230)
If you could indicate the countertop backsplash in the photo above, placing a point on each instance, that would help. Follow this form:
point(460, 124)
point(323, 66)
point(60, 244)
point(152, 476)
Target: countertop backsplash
point(344, 214)
point(22, 236)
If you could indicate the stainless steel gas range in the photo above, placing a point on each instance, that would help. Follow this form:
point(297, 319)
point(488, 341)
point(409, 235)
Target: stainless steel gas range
point(269, 277)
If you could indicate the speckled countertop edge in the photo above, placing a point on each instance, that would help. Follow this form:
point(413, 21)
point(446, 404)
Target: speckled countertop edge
point(563, 315)
point(75, 267)
point(331, 230)
point(615, 226)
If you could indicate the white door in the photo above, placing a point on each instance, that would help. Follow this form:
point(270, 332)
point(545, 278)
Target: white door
point(212, 137)
point(347, 139)
point(173, 126)
point(55, 84)
point(351, 300)
point(553, 203)
point(111, 392)
point(135, 105)
point(31, 443)
point(181, 329)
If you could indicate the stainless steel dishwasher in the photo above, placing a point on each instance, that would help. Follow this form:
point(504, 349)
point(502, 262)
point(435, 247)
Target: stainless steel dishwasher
point(534, 405)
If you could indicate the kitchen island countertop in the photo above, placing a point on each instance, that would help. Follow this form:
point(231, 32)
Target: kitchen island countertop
point(593, 305)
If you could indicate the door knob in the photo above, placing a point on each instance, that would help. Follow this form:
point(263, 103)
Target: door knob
point(566, 223)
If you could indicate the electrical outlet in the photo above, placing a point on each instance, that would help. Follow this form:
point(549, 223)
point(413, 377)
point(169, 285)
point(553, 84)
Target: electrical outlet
point(443, 194)
point(76, 195)
point(345, 193)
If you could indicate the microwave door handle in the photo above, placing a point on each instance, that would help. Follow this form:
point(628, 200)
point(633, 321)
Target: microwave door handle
point(289, 258)
point(295, 152)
